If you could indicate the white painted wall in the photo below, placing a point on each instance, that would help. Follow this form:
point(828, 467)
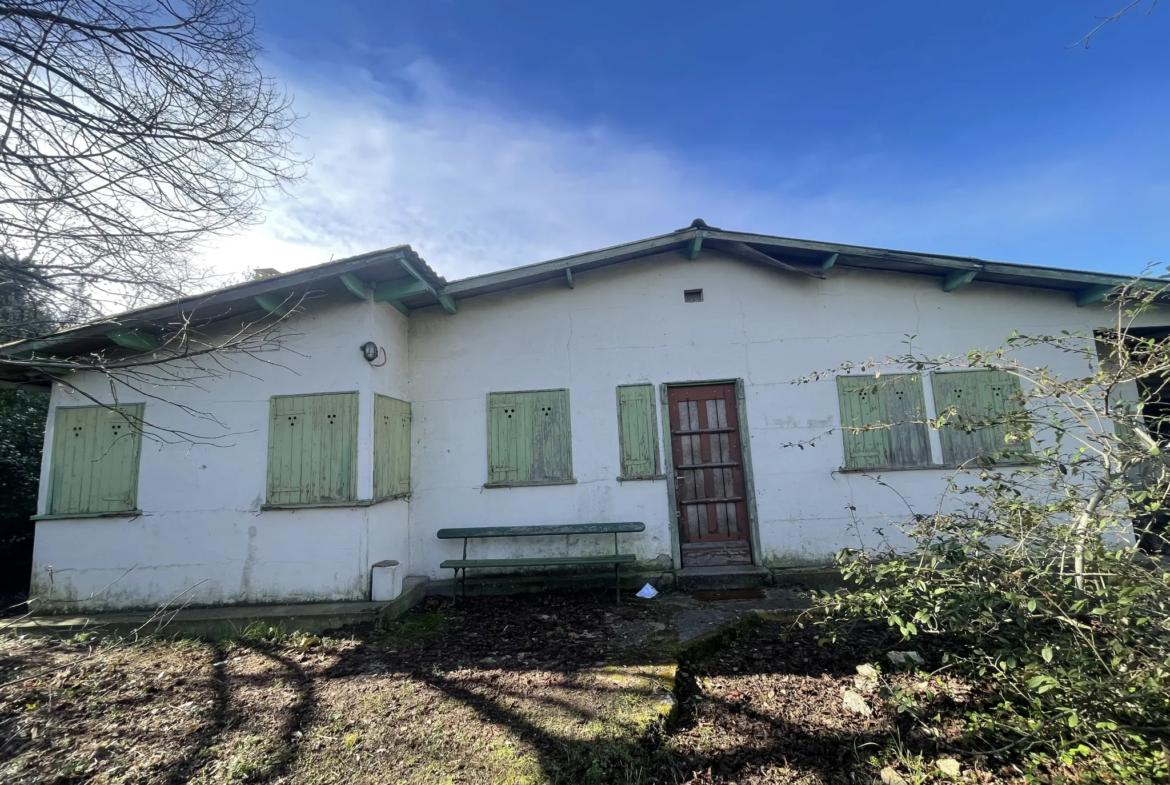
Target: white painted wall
point(628, 323)
point(202, 537)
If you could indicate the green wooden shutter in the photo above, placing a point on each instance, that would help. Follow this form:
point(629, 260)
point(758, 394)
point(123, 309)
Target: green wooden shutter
point(509, 438)
point(529, 438)
point(637, 431)
point(894, 400)
point(976, 429)
point(312, 448)
point(552, 446)
point(288, 439)
point(391, 447)
point(94, 465)
point(905, 407)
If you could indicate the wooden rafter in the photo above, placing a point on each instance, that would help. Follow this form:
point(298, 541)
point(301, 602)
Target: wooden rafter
point(696, 246)
point(354, 284)
point(398, 290)
point(444, 299)
point(1093, 294)
point(958, 279)
point(272, 303)
point(133, 338)
point(745, 251)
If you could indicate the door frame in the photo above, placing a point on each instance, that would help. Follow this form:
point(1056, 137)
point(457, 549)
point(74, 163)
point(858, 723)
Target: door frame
point(749, 481)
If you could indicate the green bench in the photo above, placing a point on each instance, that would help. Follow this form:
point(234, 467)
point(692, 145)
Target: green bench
point(538, 561)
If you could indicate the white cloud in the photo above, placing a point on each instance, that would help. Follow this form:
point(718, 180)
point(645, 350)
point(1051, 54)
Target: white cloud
point(473, 187)
point(469, 187)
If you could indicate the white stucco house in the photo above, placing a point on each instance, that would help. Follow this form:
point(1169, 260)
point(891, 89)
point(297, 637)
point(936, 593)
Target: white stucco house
point(647, 382)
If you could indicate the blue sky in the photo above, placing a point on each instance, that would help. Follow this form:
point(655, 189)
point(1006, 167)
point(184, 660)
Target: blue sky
point(494, 134)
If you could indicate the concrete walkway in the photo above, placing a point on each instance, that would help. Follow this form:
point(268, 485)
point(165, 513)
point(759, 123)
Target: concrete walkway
point(697, 615)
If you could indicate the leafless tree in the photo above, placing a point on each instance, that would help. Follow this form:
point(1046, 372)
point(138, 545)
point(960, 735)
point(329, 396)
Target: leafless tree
point(130, 130)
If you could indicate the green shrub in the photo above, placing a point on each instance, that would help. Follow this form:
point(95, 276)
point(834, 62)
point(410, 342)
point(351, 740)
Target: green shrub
point(1029, 582)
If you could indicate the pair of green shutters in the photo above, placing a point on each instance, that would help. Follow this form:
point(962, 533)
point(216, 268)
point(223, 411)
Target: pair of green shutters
point(884, 419)
point(530, 438)
point(313, 448)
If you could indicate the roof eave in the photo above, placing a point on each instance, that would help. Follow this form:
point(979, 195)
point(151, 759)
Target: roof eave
point(243, 294)
point(855, 256)
point(555, 268)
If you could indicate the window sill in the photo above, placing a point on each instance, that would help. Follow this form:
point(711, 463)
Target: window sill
point(520, 484)
point(316, 505)
point(932, 467)
point(641, 477)
point(65, 515)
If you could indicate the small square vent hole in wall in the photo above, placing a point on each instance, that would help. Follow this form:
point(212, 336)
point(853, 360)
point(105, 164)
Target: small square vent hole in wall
point(693, 296)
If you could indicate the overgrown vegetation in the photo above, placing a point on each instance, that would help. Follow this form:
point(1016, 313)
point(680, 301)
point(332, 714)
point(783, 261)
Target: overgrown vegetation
point(1039, 580)
point(22, 429)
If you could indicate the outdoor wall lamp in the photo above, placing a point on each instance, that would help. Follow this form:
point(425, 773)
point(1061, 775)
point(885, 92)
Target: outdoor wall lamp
point(370, 351)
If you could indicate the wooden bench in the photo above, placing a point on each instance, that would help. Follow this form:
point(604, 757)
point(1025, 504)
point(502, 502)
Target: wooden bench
point(538, 561)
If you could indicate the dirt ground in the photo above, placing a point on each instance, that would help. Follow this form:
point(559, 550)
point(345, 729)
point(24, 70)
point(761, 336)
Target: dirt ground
point(558, 688)
point(769, 707)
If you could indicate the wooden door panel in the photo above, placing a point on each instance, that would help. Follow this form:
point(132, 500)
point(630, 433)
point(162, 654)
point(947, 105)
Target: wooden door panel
point(708, 461)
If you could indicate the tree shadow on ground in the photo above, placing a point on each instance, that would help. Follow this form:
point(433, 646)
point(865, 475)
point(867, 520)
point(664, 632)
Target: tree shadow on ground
point(572, 730)
point(525, 689)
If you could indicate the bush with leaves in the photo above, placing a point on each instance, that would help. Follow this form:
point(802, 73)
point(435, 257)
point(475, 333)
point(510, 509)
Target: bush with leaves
point(1029, 579)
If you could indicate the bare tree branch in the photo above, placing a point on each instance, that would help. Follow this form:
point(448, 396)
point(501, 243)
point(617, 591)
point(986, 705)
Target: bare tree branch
point(1104, 20)
point(130, 130)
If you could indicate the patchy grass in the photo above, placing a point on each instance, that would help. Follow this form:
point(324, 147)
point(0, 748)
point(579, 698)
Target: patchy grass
point(415, 627)
point(530, 690)
point(546, 689)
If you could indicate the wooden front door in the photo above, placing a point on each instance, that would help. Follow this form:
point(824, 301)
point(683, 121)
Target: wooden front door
point(711, 502)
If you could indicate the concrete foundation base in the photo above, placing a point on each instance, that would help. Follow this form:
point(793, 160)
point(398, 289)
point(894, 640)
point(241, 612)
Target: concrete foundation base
point(228, 621)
